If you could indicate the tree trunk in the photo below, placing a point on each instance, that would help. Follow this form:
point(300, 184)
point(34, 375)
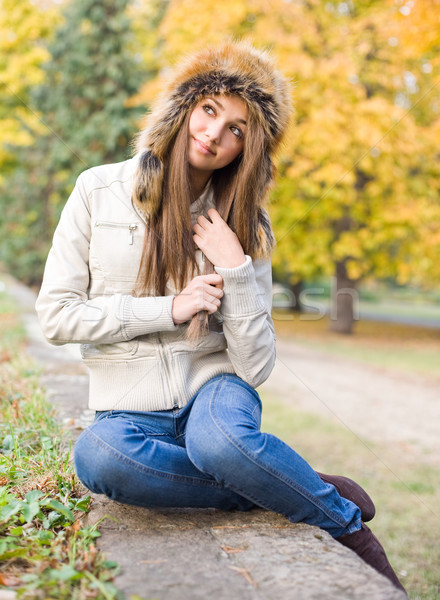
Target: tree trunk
point(344, 306)
point(296, 289)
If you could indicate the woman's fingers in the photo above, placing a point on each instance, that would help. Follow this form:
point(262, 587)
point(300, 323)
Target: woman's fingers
point(211, 307)
point(211, 291)
point(214, 215)
point(204, 292)
point(209, 294)
point(217, 241)
point(202, 222)
point(198, 229)
point(213, 279)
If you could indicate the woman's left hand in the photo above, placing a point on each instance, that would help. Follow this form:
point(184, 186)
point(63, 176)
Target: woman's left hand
point(217, 241)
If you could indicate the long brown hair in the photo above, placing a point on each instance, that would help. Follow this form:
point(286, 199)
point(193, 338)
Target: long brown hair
point(169, 252)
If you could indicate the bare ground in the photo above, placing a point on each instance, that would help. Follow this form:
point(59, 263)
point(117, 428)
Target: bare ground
point(374, 403)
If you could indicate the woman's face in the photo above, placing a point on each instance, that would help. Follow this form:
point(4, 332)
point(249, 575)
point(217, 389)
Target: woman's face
point(217, 127)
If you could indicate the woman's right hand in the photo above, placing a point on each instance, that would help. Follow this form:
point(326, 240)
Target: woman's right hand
point(202, 293)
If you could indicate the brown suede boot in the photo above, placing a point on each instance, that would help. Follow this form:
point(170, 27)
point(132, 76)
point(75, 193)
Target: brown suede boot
point(349, 489)
point(367, 546)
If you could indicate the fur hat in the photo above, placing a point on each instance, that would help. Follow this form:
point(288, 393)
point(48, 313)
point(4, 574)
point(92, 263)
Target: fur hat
point(234, 68)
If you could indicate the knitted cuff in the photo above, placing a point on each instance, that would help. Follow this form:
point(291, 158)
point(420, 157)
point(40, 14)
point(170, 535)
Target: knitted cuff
point(147, 315)
point(241, 293)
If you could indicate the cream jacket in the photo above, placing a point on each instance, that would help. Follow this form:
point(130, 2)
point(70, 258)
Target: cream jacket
point(139, 360)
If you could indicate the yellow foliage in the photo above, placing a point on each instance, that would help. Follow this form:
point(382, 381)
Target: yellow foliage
point(23, 26)
point(191, 24)
point(356, 270)
point(31, 216)
point(417, 26)
point(148, 92)
point(12, 134)
point(333, 173)
point(85, 26)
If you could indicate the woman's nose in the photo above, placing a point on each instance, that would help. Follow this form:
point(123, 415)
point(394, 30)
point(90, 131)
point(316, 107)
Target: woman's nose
point(213, 131)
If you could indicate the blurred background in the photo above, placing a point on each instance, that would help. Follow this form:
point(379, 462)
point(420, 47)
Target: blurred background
point(355, 210)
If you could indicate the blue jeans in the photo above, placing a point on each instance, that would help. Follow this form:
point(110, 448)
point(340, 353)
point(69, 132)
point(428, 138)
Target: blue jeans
point(211, 453)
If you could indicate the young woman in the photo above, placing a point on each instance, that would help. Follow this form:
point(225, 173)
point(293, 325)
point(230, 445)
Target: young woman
point(160, 268)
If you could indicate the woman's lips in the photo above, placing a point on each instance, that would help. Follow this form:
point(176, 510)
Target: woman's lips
point(203, 148)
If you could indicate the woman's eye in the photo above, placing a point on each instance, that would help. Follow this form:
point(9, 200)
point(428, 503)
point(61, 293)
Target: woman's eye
point(208, 109)
point(237, 131)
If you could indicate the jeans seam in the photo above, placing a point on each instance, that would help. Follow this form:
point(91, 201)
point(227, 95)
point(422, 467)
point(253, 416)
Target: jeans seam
point(142, 468)
point(277, 474)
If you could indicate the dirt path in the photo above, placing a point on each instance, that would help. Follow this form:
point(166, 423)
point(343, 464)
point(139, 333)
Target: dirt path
point(374, 403)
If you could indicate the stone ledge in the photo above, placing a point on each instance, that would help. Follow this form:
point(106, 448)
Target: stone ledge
point(186, 554)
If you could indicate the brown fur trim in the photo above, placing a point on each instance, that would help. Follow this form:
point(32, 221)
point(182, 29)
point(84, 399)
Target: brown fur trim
point(265, 237)
point(148, 183)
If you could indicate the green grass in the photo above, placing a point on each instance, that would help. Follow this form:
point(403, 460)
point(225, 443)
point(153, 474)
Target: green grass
point(406, 493)
point(45, 551)
point(420, 310)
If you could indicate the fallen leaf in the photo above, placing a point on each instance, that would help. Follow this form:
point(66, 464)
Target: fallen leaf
point(246, 575)
point(231, 550)
point(231, 526)
point(5, 356)
point(9, 580)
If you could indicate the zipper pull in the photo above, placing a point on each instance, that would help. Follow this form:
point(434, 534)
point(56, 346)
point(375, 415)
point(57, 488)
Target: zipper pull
point(131, 229)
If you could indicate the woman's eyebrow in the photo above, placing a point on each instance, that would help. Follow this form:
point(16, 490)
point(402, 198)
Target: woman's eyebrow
point(220, 105)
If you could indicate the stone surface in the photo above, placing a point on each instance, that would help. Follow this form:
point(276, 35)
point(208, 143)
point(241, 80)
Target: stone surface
point(178, 554)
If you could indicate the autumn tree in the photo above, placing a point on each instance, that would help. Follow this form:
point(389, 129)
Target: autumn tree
point(25, 27)
point(84, 103)
point(90, 79)
point(358, 175)
point(419, 34)
point(360, 164)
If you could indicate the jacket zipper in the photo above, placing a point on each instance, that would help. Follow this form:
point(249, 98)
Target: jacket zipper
point(130, 226)
point(164, 356)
